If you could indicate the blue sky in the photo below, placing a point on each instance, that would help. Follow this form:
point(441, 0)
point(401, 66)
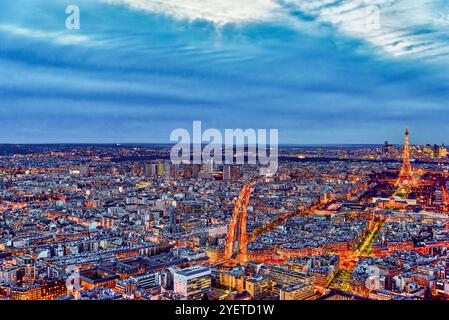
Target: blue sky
point(321, 71)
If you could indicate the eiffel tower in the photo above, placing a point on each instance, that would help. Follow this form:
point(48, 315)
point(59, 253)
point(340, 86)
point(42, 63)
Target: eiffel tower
point(444, 195)
point(406, 178)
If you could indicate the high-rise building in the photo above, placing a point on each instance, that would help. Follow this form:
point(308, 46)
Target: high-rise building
point(235, 172)
point(137, 170)
point(193, 282)
point(154, 170)
point(231, 172)
point(208, 166)
point(442, 152)
point(84, 169)
point(175, 171)
point(168, 173)
point(160, 170)
point(173, 217)
point(226, 172)
point(148, 170)
point(195, 170)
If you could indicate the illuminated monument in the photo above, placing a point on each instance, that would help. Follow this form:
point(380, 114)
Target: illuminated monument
point(406, 178)
point(444, 195)
point(237, 239)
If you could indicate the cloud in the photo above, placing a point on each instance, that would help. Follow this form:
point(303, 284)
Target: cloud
point(398, 27)
point(55, 37)
point(301, 67)
point(219, 12)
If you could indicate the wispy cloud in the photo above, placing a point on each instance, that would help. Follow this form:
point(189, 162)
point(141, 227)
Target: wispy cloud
point(401, 28)
point(309, 68)
point(55, 37)
point(220, 12)
point(398, 27)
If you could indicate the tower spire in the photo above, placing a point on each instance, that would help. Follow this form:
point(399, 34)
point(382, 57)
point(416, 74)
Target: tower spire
point(406, 178)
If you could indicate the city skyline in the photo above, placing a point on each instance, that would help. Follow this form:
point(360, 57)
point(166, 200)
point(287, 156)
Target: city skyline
point(120, 223)
point(393, 143)
point(137, 69)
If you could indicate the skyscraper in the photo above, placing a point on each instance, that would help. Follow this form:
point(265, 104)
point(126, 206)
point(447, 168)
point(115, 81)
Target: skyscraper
point(148, 170)
point(160, 170)
point(84, 169)
point(226, 172)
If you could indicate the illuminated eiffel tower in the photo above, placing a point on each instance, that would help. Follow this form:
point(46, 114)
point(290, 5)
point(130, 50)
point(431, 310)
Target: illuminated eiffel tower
point(444, 195)
point(406, 178)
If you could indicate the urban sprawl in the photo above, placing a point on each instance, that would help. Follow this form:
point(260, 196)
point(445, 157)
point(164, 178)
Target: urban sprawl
point(113, 222)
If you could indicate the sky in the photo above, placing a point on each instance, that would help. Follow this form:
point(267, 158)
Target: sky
point(319, 71)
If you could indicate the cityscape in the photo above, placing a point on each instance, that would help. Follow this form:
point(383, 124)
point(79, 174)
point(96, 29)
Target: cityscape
point(201, 158)
point(121, 222)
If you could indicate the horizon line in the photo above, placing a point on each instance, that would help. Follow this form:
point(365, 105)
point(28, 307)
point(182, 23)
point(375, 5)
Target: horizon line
point(204, 143)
